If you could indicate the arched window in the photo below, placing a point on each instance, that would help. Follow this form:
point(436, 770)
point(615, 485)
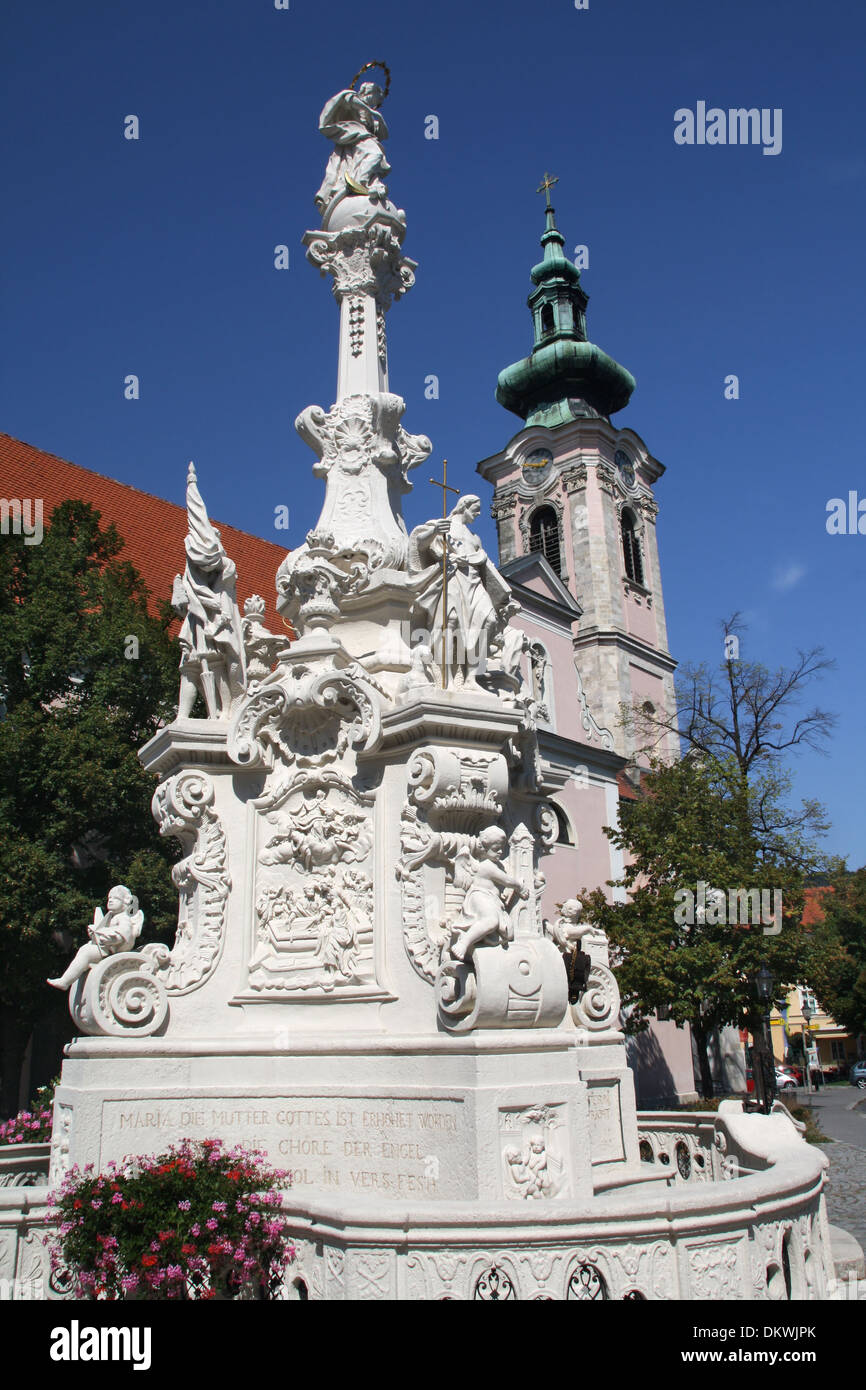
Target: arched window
point(563, 829)
point(544, 537)
point(547, 318)
point(631, 548)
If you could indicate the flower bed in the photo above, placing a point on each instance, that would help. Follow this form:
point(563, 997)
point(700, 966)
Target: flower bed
point(199, 1221)
point(31, 1126)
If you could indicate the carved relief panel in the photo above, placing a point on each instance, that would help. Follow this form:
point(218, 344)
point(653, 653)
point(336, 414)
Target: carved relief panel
point(533, 1143)
point(313, 892)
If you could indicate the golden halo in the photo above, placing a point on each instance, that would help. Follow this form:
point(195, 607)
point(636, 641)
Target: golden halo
point(366, 68)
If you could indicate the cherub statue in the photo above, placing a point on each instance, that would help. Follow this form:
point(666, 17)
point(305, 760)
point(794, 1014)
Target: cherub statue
point(116, 929)
point(479, 871)
point(569, 932)
point(537, 1168)
point(260, 645)
point(570, 935)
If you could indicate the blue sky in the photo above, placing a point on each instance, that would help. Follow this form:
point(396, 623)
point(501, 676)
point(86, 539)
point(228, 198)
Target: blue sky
point(156, 257)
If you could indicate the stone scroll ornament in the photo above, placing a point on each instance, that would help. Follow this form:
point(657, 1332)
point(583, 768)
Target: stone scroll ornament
point(183, 806)
point(304, 718)
point(115, 990)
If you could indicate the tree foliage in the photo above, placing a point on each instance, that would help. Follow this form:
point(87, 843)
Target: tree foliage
point(76, 702)
point(839, 974)
point(695, 821)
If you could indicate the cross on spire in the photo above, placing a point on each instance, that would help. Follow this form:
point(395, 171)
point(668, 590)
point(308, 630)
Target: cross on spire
point(545, 186)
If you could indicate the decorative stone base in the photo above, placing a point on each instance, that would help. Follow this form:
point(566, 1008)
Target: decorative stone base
point(529, 1118)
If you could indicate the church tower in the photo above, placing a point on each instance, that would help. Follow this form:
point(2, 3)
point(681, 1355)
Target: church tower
point(574, 488)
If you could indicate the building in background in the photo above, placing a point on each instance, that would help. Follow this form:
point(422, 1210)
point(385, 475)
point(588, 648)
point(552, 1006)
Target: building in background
point(575, 509)
point(153, 530)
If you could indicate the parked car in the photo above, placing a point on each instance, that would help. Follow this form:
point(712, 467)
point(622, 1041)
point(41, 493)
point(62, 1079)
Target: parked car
point(785, 1080)
point(857, 1075)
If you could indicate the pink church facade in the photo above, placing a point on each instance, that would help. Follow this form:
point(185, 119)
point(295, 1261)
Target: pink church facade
point(575, 507)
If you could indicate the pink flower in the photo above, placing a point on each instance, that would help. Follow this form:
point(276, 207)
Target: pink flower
point(212, 1223)
point(184, 1206)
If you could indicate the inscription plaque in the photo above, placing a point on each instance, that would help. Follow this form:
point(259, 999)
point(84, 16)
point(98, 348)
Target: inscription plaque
point(386, 1148)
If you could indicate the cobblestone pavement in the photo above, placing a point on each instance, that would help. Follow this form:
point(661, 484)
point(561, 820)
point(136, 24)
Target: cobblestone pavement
point(846, 1188)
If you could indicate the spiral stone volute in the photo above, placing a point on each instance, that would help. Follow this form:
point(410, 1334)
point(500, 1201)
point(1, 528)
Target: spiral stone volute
point(122, 996)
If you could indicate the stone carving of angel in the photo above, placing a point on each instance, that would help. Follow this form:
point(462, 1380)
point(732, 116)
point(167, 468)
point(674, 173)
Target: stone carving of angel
point(116, 929)
point(260, 646)
point(489, 891)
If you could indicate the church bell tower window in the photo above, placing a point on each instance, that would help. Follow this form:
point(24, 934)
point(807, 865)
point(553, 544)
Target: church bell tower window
point(631, 548)
point(547, 318)
point(544, 537)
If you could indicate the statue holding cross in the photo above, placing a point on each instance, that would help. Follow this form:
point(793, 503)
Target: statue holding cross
point(463, 597)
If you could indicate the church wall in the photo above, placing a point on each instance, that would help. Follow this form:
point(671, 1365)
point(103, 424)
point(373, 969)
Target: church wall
point(640, 618)
point(645, 685)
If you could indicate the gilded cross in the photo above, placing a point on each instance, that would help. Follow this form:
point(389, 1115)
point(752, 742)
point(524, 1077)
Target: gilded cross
point(446, 488)
point(545, 186)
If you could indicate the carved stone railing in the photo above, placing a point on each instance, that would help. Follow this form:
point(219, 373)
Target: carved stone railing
point(683, 1144)
point(24, 1165)
point(699, 1146)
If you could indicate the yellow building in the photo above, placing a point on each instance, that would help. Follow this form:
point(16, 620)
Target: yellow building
point(835, 1047)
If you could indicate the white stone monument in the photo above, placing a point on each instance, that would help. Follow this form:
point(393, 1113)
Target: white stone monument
point(362, 982)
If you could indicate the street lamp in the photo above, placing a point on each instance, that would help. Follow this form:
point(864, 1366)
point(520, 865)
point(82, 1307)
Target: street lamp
point(807, 1074)
point(764, 988)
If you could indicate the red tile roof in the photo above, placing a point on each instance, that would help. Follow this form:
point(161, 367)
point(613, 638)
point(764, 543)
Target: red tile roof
point(153, 530)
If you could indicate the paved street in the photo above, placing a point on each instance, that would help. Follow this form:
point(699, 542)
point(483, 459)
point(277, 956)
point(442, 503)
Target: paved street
point(846, 1191)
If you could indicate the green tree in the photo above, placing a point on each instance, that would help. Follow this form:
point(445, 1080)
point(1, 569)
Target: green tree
point(78, 697)
point(695, 821)
point(838, 976)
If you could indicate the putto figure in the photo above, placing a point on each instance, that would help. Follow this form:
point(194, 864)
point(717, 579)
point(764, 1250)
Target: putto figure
point(116, 929)
point(489, 890)
point(212, 656)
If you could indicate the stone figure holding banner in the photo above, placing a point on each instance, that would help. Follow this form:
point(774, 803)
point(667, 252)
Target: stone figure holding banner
point(211, 642)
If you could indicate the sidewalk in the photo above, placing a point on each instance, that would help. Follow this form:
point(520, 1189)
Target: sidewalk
point(846, 1186)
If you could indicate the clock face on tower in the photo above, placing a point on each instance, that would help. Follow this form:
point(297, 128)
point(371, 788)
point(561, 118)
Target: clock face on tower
point(536, 467)
point(625, 466)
